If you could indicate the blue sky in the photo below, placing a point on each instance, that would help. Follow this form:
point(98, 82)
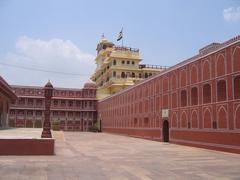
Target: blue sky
point(61, 35)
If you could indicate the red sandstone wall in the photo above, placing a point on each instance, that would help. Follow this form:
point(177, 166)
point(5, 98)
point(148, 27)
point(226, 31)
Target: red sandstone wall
point(26, 147)
point(203, 98)
point(71, 109)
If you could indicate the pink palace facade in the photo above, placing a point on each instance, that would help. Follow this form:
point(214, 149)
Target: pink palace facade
point(71, 109)
point(195, 102)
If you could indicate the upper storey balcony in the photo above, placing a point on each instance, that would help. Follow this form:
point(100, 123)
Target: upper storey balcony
point(115, 53)
point(125, 52)
point(126, 49)
point(148, 66)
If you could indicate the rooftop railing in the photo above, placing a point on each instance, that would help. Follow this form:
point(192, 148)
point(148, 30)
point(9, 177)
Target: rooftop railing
point(141, 66)
point(123, 48)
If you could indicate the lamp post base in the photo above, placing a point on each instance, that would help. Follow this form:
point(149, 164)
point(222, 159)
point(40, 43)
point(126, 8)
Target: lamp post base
point(46, 134)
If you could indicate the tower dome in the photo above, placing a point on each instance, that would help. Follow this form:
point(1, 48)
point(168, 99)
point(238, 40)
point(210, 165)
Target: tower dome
point(90, 85)
point(103, 44)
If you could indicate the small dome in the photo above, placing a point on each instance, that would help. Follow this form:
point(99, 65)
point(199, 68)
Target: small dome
point(49, 85)
point(103, 44)
point(90, 84)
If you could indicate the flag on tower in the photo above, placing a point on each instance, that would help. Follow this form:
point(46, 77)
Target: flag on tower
point(120, 36)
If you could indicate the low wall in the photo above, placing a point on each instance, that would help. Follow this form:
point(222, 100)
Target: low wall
point(26, 146)
point(136, 132)
point(223, 141)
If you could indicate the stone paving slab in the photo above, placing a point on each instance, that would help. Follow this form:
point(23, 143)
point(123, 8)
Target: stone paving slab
point(93, 156)
point(21, 133)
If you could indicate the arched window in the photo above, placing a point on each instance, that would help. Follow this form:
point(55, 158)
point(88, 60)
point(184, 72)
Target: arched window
point(194, 119)
point(123, 75)
point(207, 119)
point(206, 70)
point(194, 74)
point(237, 87)
point(221, 90)
point(220, 66)
point(174, 81)
point(165, 84)
point(207, 95)
point(183, 78)
point(174, 100)
point(114, 73)
point(135, 122)
point(146, 75)
point(140, 75)
point(194, 96)
point(236, 59)
point(184, 122)
point(174, 120)
point(183, 98)
point(114, 62)
point(133, 74)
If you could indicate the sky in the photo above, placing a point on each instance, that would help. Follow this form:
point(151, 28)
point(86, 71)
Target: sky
point(56, 40)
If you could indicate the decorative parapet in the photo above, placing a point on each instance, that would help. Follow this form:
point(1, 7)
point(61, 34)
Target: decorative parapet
point(141, 66)
point(209, 48)
point(215, 46)
point(123, 48)
point(125, 52)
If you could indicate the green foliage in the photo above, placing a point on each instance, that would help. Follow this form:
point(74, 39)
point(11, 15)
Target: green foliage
point(94, 128)
point(56, 126)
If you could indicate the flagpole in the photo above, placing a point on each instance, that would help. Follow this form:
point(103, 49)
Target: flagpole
point(122, 36)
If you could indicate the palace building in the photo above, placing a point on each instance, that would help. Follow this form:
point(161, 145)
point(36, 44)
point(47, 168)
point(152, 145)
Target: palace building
point(195, 102)
point(71, 109)
point(119, 67)
point(7, 97)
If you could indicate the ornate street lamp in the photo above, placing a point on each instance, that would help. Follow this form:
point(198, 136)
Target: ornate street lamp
point(48, 92)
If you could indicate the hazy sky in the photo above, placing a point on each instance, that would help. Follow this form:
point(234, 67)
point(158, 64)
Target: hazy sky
point(61, 35)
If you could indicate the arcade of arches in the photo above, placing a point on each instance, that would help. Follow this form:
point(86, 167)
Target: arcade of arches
point(201, 97)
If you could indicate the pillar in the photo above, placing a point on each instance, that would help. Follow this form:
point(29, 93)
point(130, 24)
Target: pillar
point(48, 91)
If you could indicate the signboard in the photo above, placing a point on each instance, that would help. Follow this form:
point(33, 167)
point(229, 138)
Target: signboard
point(164, 113)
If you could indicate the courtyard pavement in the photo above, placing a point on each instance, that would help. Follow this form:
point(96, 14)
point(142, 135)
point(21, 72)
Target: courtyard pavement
point(93, 156)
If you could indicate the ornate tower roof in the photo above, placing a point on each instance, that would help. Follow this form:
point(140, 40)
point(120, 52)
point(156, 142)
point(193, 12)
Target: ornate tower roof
point(49, 85)
point(103, 44)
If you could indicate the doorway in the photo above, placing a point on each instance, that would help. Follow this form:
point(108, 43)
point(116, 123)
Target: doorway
point(165, 130)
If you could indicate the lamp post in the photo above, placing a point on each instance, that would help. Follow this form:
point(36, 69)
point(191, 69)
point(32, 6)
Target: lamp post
point(48, 92)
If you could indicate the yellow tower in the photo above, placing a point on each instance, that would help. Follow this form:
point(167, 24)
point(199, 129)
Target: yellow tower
point(119, 67)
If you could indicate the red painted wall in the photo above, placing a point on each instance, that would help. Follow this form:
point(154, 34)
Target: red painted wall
point(26, 147)
point(202, 95)
point(71, 109)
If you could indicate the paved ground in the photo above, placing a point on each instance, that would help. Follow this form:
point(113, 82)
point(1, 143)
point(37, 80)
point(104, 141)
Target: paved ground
point(96, 156)
point(21, 133)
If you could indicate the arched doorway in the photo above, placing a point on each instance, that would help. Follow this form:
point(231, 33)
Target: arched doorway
point(165, 131)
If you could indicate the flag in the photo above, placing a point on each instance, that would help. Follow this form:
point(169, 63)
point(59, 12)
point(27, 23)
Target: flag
point(120, 36)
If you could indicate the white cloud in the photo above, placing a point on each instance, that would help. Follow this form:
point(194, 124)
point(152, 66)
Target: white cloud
point(54, 55)
point(231, 14)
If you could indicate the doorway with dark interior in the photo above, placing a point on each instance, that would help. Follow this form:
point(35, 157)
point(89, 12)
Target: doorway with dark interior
point(165, 131)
